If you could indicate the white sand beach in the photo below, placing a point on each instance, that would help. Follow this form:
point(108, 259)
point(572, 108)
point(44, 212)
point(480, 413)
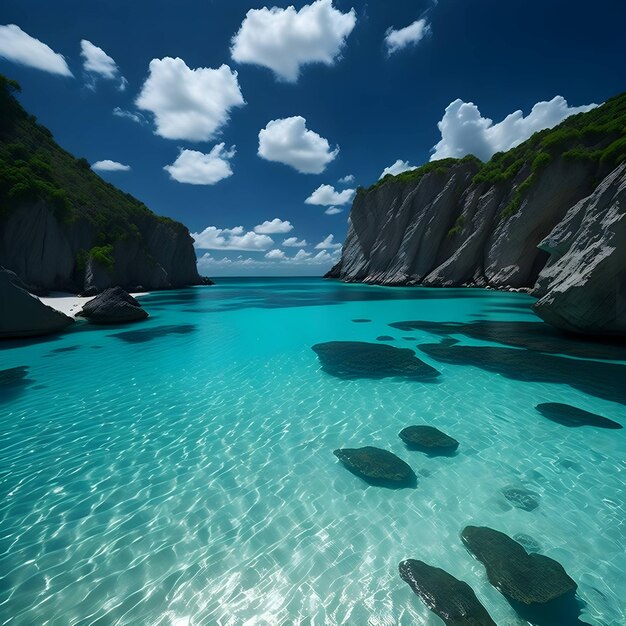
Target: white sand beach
point(70, 304)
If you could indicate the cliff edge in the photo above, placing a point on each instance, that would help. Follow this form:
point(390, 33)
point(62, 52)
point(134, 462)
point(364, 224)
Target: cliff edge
point(64, 228)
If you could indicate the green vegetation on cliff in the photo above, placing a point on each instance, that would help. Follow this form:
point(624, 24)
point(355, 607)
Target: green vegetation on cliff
point(34, 168)
point(597, 137)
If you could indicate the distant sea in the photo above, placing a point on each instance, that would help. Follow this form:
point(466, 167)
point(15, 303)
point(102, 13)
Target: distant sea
point(180, 471)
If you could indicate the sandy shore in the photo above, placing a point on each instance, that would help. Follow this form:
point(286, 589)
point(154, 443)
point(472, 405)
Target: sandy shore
point(70, 304)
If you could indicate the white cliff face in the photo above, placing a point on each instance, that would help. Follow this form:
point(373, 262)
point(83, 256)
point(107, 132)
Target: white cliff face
point(564, 240)
point(444, 230)
point(582, 288)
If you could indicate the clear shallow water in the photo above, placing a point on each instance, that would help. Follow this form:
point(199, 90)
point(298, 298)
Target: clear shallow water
point(180, 471)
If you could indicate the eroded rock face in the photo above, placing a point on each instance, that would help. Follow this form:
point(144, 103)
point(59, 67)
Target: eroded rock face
point(428, 439)
point(377, 466)
point(24, 315)
point(163, 258)
point(451, 599)
point(519, 576)
point(360, 359)
point(582, 288)
point(445, 230)
point(113, 306)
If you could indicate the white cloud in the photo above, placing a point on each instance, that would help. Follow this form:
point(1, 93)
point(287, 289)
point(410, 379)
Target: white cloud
point(274, 227)
point(294, 242)
point(288, 141)
point(135, 117)
point(333, 210)
point(275, 260)
point(285, 39)
point(275, 254)
point(410, 35)
point(465, 131)
point(96, 62)
point(213, 238)
point(301, 255)
point(197, 168)
point(327, 244)
point(109, 166)
point(326, 195)
point(397, 168)
point(20, 47)
point(346, 180)
point(186, 103)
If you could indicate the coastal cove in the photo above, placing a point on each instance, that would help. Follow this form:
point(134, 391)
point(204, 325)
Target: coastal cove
point(181, 471)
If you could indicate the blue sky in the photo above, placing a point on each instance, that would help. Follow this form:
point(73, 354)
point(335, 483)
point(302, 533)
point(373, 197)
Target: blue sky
point(252, 106)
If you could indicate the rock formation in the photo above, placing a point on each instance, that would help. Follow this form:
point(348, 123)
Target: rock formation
point(360, 359)
point(519, 576)
point(453, 600)
point(24, 315)
point(377, 466)
point(582, 288)
point(428, 439)
point(113, 306)
point(548, 214)
point(64, 228)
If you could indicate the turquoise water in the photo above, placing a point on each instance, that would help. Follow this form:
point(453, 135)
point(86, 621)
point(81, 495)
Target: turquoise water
point(180, 471)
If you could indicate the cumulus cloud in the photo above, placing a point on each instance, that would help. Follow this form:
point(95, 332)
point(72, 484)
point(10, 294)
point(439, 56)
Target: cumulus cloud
point(347, 180)
point(275, 254)
point(20, 47)
point(135, 117)
point(198, 168)
point(327, 244)
point(109, 166)
point(294, 242)
point(274, 259)
point(410, 35)
point(97, 63)
point(288, 141)
point(284, 40)
point(333, 210)
point(273, 227)
point(186, 103)
point(213, 238)
point(465, 131)
point(327, 195)
point(397, 168)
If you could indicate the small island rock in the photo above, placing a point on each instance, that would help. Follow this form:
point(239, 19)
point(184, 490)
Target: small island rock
point(113, 306)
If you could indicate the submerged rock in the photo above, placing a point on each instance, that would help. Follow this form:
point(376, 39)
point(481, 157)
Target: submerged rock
point(361, 320)
point(451, 599)
point(24, 315)
point(519, 576)
point(385, 338)
point(359, 359)
point(574, 417)
point(428, 439)
point(374, 464)
point(113, 306)
point(13, 374)
point(521, 498)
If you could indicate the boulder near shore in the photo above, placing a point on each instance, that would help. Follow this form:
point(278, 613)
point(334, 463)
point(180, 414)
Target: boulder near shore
point(113, 306)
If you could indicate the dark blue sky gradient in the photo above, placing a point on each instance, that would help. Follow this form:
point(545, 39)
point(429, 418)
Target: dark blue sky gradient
point(502, 55)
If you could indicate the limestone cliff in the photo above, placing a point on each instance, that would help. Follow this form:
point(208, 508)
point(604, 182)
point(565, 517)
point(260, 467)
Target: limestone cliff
point(462, 222)
point(63, 227)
